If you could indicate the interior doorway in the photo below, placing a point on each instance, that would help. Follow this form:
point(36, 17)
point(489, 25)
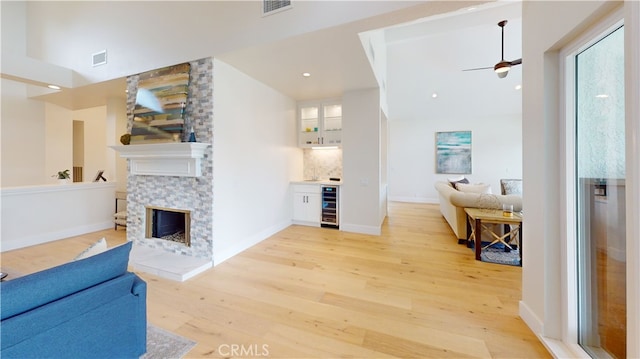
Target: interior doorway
point(78, 151)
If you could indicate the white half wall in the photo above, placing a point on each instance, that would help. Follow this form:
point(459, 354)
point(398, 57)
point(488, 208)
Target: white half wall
point(255, 156)
point(37, 214)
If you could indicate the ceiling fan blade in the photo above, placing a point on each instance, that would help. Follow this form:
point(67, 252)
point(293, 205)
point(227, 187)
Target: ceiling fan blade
point(479, 68)
point(516, 62)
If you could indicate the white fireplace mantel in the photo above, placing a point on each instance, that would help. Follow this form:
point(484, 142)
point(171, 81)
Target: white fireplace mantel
point(182, 159)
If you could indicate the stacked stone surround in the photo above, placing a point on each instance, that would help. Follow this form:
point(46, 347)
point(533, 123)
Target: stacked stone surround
point(186, 193)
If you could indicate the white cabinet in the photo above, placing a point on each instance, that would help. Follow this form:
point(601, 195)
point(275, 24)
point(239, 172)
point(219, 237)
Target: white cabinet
point(320, 123)
point(306, 205)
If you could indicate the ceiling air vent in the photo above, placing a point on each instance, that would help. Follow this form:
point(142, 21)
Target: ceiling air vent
point(99, 58)
point(273, 6)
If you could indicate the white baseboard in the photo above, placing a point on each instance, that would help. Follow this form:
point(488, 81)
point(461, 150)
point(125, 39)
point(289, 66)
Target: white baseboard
point(556, 347)
point(414, 199)
point(530, 318)
point(220, 256)
point(306, 223)
point(17, 243)
point(357, 228)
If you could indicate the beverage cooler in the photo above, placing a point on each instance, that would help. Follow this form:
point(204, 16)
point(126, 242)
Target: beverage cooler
point(330, 207)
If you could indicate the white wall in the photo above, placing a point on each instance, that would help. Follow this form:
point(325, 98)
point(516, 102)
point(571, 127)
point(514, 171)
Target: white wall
point(384, 164)
point(360, 196)
point(14, 49)
point(255, 155)
point(116, 168)
point(496, 153)
point(547, 26)
point(37, 138)
point(375, 47)
point(23, 137)
point(59, 141)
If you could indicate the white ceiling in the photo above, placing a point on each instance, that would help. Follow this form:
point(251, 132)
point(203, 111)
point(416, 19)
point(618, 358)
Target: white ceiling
point(336, 59)
point(445, 44)
point(428, 57)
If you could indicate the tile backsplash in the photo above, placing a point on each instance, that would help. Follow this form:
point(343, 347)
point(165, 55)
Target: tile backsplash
point(322, 163)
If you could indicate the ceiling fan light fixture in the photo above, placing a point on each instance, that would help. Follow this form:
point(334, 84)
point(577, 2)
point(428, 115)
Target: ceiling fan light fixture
point(502, 66)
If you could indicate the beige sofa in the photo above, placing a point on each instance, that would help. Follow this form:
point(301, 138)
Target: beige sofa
point(453, 203)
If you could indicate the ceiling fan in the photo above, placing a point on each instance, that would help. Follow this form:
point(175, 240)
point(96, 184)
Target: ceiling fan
point(501, 68)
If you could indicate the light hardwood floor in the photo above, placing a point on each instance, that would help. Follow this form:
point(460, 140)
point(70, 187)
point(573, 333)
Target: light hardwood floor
point(412, 292)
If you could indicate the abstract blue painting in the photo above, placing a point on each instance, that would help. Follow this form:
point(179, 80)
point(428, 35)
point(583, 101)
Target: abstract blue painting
point(453, 152)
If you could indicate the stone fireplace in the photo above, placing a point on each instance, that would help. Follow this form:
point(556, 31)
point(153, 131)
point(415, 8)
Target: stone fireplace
point(176, 177)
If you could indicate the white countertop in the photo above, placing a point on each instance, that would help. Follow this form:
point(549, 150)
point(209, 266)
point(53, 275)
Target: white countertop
point(318, 182)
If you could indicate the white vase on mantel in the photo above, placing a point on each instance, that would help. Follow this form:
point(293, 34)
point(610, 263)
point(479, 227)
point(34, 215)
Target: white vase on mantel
point(63, 180)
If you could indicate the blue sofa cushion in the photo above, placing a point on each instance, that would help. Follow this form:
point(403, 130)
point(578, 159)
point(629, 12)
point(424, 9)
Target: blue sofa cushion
point(25, 293)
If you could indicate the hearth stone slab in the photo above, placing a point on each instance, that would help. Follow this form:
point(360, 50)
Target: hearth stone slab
point(165, 264)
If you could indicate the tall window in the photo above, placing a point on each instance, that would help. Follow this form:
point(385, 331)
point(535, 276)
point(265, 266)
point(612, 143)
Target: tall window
point(600, 196)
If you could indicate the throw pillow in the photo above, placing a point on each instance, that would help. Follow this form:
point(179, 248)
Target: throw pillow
point(98, 247)
point(511, 186)
point(458, 179)
point(474, 188)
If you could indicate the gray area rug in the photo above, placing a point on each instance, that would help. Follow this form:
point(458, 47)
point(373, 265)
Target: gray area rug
point(499, 256)
point(162, 344)
point(496, 254)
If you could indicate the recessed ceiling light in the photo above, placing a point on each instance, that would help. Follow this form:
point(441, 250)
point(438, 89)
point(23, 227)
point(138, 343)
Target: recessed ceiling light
point(602, 95)
point(306, 74)
point(518, 87)
point(53, 87)
point(434, 95)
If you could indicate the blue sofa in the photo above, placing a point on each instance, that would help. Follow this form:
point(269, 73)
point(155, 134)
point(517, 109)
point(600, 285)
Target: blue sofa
point(89, 308)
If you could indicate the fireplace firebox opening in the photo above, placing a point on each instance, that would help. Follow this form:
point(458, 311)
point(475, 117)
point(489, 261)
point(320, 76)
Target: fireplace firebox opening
point(168, 224)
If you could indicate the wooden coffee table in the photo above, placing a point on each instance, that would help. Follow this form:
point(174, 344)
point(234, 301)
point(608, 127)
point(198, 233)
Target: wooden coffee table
point(478, 218)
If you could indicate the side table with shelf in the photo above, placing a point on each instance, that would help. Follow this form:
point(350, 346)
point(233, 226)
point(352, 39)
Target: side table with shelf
point(479, 218)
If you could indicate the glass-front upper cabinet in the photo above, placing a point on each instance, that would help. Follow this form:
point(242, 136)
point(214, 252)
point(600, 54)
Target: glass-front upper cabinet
point(332, 124)
point(320, 124)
